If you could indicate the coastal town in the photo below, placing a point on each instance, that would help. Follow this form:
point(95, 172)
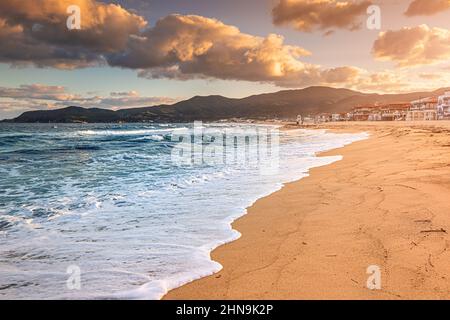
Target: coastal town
point(425, 109)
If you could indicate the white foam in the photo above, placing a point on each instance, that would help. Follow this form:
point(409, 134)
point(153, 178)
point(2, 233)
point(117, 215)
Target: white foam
point(126, 132)
point(156, 289)
point(153, 137)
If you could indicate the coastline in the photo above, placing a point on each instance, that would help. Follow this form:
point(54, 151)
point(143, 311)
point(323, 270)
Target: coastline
point(383, 204)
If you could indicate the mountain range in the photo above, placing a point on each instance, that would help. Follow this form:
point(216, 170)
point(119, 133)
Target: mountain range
point(286, 104)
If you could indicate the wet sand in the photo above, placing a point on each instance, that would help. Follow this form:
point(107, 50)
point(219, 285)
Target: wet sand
point(387, 203)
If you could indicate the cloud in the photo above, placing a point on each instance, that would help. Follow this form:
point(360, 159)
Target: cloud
point(341, 74)
point(125, 94)
point(383, 81)
point(178, 47)
point(309, 15)
point(194, 47)
point(15, 100)
point(36, 91)
point(35, 32)
point(427, 7)
point(430, 76)
point(115, 102)
point(186, 47)
point(413, 46)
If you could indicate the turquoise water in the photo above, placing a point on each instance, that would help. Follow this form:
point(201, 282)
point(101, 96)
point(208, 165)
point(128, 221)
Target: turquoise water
point(109, 200)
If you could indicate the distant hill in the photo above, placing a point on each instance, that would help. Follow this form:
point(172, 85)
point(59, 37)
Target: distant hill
point(285, 104)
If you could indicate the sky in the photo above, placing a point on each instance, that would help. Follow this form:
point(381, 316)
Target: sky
point(133, 53)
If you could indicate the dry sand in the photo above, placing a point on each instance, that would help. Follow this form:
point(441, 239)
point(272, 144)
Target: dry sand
point(387, 204)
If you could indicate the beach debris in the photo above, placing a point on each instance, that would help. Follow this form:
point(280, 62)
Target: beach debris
point(436, 230)
point(429, 261)
point(405, 186)
point(423, 221)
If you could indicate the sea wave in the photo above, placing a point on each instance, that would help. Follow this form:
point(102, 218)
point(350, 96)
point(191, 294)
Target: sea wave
point(127, 132)
point(136, 224)
point(153, 137)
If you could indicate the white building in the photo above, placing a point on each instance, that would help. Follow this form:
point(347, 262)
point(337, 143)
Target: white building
point(443, 107)
point(375, 117)
point(309, 120)
point(423, 110)
point(335, 117)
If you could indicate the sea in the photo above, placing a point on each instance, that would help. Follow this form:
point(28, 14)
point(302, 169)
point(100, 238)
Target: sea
point(130, 211)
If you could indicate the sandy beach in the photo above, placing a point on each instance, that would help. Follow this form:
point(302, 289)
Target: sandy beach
point(386, 204)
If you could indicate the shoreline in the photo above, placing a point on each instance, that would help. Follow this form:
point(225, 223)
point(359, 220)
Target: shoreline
point(322, 154)
point(315, 238)
point(236, 234)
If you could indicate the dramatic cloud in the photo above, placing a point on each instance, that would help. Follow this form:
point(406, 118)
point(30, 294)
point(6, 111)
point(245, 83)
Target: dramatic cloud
point(427, 7)
point(35, 32)
point(14, 101)
point(413, 46)
point(308, 15)
point(187, 47)
point(179, 47)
